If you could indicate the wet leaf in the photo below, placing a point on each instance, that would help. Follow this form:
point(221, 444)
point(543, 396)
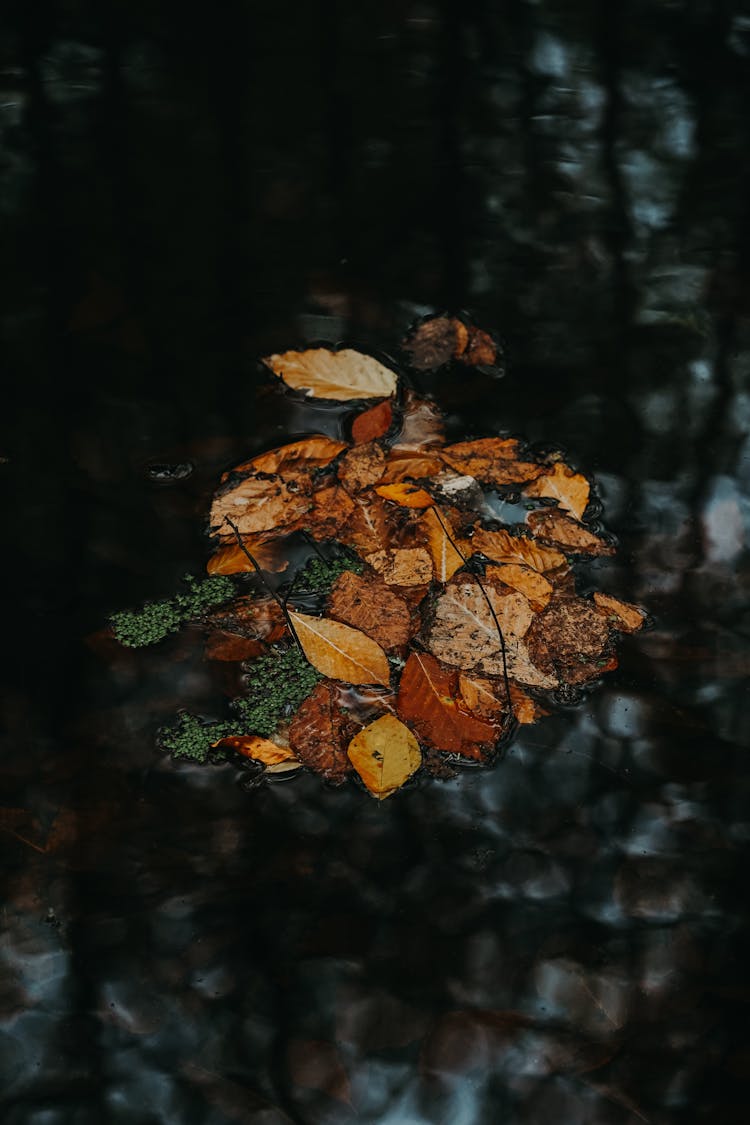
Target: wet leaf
point(439, 540)
point(525, 709)
point(524, 579)
point(551, 526)
point(623, 616)
point(256, 504)
point(422, 424)
point(361, 467)
point(342, 375)
point(370, 526)
point(482, 696)
point(372, 423)
point(405, 494)
point(411, 467)
point(569, 634)
point(502, 547)
point(366, 603)
point(257, 748)
point(570, 489)
point(385, 754)
point(493, 461)
point(340, 652)
point(435, 342)
point(480, 348)
point(294, 461)
point(231, 559)
point(408, 566)
point(331, 508)
point(320, 732)
point(427, 700)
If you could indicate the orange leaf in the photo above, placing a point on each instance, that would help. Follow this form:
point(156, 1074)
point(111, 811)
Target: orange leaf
point(231, 559)
point(482, 696)
point(409, 566)
point(407, 495)
point(446, 558)
point(366, 603)
point(427, 700)
point(342, 375)
point(257, 748)
point(491, 460)
point(297, 458)
point(414, 467)
point(525, 709)
point(331, 508)
point(502, 547)
point(340, 652)
point(256, 504)
point(361, 467)
point(370, 526)
point(551, 526)
point(385, 754)
point(623, 616)
point(372, 423)
point(571, 490)
point(529, 582)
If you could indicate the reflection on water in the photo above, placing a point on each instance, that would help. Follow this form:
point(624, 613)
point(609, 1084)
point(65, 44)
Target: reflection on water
point(556, 940)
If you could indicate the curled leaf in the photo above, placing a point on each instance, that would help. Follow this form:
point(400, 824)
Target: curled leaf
point(570, 489)
point(257, 748)
point(422, 424)
point(342, 375)
point(502, 547)
point(340, 652)
point(231, 559)
point(294, 461)
point(385, 754)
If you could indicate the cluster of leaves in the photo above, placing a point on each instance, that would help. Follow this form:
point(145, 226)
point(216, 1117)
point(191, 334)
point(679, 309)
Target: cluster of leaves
point(441, 629)
point(156, 620)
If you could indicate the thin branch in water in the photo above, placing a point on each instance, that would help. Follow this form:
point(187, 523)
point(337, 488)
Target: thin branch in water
point(279, 601)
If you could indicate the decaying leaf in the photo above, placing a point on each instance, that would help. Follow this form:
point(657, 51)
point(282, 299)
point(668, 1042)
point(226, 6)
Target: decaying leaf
point(480, 348)
point(256, 504)
point(331, 508)
point(483, 696)
point(342, 375)
point(502, 547)
point(294, 461)
point(570, 489)
point(436, 341)
point(361, 467)
point(623, 616)
point(340, 652)
point(405, 494)
point(493, 461)
point(524, 579)
point(257, 748)
point(422, 425)
point(320, 732)
point(385, 754)
point(437, 533)
point(411, 467)
point(428, 700)
point(372, 423)
point(366, 603)
point(408, 566)
point(370, 526)
point(244, 629)
point(525, 709)
point(231, 559)
point(550, 526)
point(569, 634)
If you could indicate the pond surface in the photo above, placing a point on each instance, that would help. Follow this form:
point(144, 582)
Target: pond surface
point(561, 938)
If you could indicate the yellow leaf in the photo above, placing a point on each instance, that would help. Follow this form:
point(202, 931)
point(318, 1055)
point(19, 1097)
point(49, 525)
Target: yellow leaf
point(445, 556)
point(257, 748)
point(385, 754)
point(340, 652)
point(342, 375)
point(502, 547)
point(405, 494)
point(524, 579)
point(571, 490)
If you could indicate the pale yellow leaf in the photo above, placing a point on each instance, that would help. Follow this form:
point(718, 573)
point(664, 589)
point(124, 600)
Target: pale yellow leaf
point(342, 375)
point(385, 754)
point(340, 652)
point(446, 558)
point(571, 490)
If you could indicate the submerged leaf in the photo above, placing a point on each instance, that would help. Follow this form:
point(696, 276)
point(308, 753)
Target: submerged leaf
point(385, 754)
point(411, 467)
point(257, 748)
point(342, 375)
point(427, 699)
point(320, 732)
point(231, 559)
point(422, 424)
point(570, 489)
point(567, 637)
point(340, 652)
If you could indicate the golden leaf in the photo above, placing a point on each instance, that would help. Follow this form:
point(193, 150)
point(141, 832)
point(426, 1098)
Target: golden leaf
point(231, 559)
point(385, 754)
point(622, 616)
point(342, 375)
point(340, 652)
point(256, 504)
point(257, 748)
point(405, 494)
point(502, 547)
point(411, 466)
point(524, 579)
point(446, 558)
point(290, 461)
point(571, 490)
point(482, 696)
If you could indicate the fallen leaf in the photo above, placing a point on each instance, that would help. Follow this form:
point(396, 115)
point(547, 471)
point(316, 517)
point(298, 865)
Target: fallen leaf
point(422, 424)
point(408, 566)
point(221, 645)
point(570, 489)
point(427, 701)
point(524, 579)
point(525, 709)
point(435, 342)
point(320, 732)
point(502, 547)
point(569, 633)
point(259, 619)
point(371, 525)
point(439, 540)
point(551, 526)
point(342, 375)
point(340, 652)
point(480, 348)
point(492, 460)
point(361, 467)
point(623, 616)
point(405, 494)
point(483, 696)
point(385, 754)
point(366, 603)
point(231, 559)
point(410, 467)
point(299, 458)
point(331, 508)
point(256, 504)
point(372, 423)
point(257, 748)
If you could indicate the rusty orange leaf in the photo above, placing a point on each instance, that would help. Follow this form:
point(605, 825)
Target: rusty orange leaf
point(372, 423)
point(405, 494)
point(427, 699)
point(623, 616)
point(524, 579)
point(502, 547)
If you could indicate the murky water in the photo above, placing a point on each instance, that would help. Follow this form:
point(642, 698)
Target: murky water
point(559, 939)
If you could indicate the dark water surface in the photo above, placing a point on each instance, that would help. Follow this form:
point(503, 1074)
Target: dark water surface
point(561, 939)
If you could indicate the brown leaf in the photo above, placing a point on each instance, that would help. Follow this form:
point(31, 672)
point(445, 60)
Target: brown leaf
point(342, 375)
point(256, 504)
point(257, 748)
point(361, 467)
point(259, 619)
point(422, 424)
point(623, 616)
point(372, 423)
point(231, 559)
point(437, 532)
point(340, 652)
point(551, 526)
point(385, 754)
point(480, 348)
point(371, 524)
point(406, 466)
point(502, 547)
point(483, 696)
point(409, 566)
point(367, 604)
point(525, 709)
point(320, 732)
point(299, 459)
point(491, 460)
point(427, 699)
point(331, 508)
point(571, 490)
point(435, 342)
point(524, 579)
point(405, 494)
point(568, 634)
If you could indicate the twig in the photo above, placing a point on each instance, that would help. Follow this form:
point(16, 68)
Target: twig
point(280, 603)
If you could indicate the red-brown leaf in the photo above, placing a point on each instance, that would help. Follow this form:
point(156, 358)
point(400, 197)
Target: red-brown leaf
point(427, 700)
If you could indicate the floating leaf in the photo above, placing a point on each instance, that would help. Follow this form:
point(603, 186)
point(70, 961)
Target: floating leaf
point(524, 579)
point(570, 634)
point(342, 375)
point(385, 754)
point(422, 424)
point(361, 467)
point(570, 489)
point(480, 348)
point(256, 504)
point(257, 748)
point(446, 558)
point(366, 603)
point(407, 495)
point(525, 709)
point(409, 566)
point(331, 508)
point(502, 547)
point(320, 732)
point(427, 700)
point(231, 559)
point(491, 460)
point(411, 467)
point(483, 696)
point(293, 461)
point(623, 616)
point(372, 423)
point(340, 652)
point(435, 342)
point(551, 526)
